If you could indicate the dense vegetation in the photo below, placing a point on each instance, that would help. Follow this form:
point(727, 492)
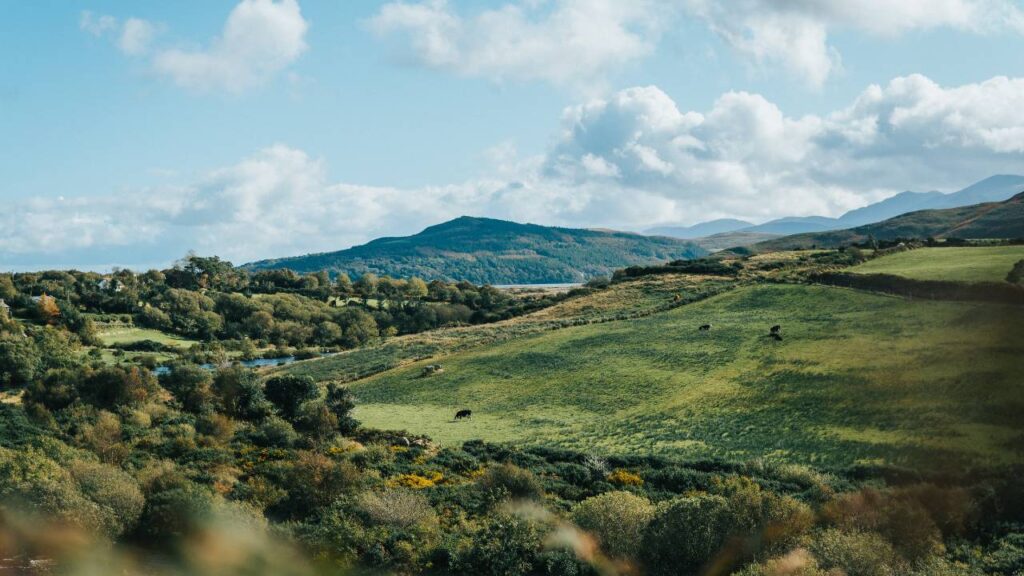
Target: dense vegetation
point(872, 440)
point(489, 251)
point(249, 314)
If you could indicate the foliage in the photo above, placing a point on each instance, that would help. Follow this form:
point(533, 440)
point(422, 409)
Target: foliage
point(617, 519)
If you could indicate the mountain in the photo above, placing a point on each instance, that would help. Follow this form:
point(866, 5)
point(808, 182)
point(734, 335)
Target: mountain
point(992, 189)
point(701, 230)
point(890, 207)
point(793, 225)
point(488, 251)
point(988, 220)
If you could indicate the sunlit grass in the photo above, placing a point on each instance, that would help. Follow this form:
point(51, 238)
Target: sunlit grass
point(858, 377)
point(971, 264)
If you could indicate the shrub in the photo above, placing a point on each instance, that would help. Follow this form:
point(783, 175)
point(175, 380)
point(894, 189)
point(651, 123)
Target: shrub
point(191, 386)
point(686, 533)
point(856, 553)
point(116, 492)
point(175, 507)
point(397, 508)
point(288, 393)
point(622, 477)
point(415, 481)
point(507, 545)
point(617, 519)
point(275, 432)
point(513, 480)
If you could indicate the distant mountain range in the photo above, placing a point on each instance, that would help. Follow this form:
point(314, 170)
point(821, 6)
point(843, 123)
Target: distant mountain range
point(488, 251)
point(987, 220)
point(992, 189)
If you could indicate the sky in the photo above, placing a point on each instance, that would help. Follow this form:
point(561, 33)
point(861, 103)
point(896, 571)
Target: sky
point(134, 131)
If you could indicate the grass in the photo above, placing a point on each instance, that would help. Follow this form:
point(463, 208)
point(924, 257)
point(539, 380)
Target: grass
point(121, 334)
point(639, 297)
point(968, 264)
point(858, 378)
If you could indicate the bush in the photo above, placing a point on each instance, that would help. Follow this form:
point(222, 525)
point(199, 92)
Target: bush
point(513, 481)
point(175, 507)
point(397, 508)
point(686, 533)
point(507, 545)
point(116, 492)
point(622, 477)
point(856, 553)
point(288, 393)
point(275, 432)
point(618, 521)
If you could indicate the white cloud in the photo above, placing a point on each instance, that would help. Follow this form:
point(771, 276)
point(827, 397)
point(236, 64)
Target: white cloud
point(746, 158)
point(96, 25)
point(136, 36)
point(795, 34)
point(565, 42)
point(632, 159)
point(260, 39)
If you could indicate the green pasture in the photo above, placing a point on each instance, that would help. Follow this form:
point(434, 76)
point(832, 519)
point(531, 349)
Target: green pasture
point(120, 334)
point(967, 264)
point(858, 378)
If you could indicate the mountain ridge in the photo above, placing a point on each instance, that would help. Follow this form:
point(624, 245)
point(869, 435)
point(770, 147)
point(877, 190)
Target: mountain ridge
point(492, 251)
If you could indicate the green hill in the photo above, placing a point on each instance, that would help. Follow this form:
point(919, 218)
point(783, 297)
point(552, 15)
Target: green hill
point(990, 220)
point(959, 264)
point(858, 378)
point(487, 251)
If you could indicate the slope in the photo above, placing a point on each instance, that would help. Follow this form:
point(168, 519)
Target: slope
point(859, 378)
point(483, 250)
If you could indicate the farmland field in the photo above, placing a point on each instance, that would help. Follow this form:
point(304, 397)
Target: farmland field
point(858, 378)
point(118, 334)
point(974, 264)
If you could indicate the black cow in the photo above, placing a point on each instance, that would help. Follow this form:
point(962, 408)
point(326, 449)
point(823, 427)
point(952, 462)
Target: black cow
point(705, 328)
point(463, 414)
point(776, 336)
point(776, 329)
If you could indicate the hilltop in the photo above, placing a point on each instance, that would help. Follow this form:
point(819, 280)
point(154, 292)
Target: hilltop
point(489, 251)
point(989, 220)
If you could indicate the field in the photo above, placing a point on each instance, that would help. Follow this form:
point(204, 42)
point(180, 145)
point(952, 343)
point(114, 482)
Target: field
point(858, 378)
point(635, 298)
point(121, 334)
point(974, 264)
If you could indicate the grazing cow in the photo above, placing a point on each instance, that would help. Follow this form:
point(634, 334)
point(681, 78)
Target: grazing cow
point(776, 329)
point(463, 414)
point(776, 336)
point(705, 328)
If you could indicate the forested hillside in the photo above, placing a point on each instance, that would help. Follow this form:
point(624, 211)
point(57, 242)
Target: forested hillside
point(487, 251)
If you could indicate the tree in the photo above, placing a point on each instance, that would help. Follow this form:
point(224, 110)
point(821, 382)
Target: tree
point(191, 385)
point(344, 283)
point(47, 309)
point(366, 285)
point(240, 394)
point(341, 402)
point(415, 288)
point(19, 360)
point(7, 290)
point(1016, 275)
point(288, 393)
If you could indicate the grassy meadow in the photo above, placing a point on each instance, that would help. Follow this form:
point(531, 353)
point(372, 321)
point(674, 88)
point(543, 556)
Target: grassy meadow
point(858, 378)
point(110, 335)
point(967, 264)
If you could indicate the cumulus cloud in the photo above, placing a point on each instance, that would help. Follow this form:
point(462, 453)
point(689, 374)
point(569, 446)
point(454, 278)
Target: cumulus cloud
point(795, 34)
point(260, 39)
point(632, 159)
point(565, 42)
point(744, 157)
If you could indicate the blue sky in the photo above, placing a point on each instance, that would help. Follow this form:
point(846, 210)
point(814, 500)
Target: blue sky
point(132, 131)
